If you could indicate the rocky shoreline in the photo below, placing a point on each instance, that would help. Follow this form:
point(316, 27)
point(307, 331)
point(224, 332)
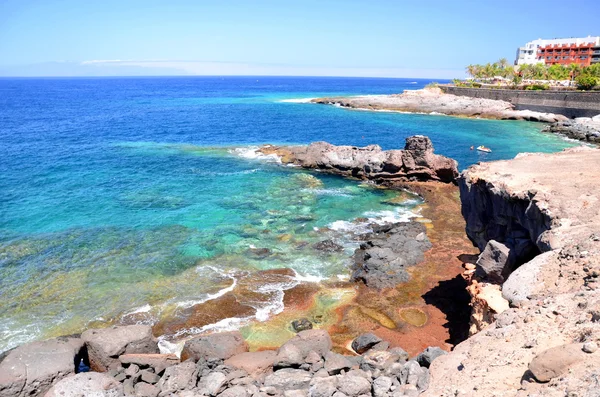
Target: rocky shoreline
point(586, 129)
point(434, 101)
point(534, 287)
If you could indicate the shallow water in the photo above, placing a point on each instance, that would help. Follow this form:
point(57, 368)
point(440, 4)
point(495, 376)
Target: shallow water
point(140, 198)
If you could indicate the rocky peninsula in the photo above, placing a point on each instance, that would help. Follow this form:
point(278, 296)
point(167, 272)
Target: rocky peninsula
point(535, 319)
point(434, 101)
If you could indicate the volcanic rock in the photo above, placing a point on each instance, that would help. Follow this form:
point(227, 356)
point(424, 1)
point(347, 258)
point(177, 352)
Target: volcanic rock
point(219, 346)
point(105, 345)
point(86, 384)
point(30, 369)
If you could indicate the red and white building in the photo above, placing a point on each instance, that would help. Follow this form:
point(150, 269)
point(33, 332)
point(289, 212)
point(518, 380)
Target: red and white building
point(583, 51)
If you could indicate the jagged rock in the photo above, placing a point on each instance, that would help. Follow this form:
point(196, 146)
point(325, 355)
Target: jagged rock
point(426, 357)
point(235, 391)
point(589, 347)
point(132, 370)
point(494, 263)
point(382, 261)
point(105, 345)
point(381, 386)
point(416, 162)
point(213, 383)
point(323, 386)
point(178, 377)
point(219, 346)
point(335, 363)
point(364, 342)
point(149, 377)
point(256, 364)
point(403, 356)
point(378, 360)
point(30, 369)
point(353, 385)
point(86, 384)
point(524, 281)
point(295, 393)
point(143, 389)
point(288, 379)
point(328, 246)
point(555, 361)
point(158, 362)
point(293, 352)
point(301, 324)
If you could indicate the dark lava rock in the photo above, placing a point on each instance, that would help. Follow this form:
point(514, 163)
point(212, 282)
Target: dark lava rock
point(364, 342)
point(328, 246)
point(301, 324)
point(426, 357)
point(381, 261)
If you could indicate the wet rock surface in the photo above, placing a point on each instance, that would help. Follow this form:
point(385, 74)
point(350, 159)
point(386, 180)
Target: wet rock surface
point(417, 162)
point(382, 260)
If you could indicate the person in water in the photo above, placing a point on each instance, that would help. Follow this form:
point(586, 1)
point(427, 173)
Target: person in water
point(472, 147)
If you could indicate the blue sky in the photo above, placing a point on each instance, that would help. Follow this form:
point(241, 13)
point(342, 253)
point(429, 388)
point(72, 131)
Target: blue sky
point(394, 38)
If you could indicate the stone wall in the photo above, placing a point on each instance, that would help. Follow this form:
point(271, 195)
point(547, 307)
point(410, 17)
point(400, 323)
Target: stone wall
point(568, 103)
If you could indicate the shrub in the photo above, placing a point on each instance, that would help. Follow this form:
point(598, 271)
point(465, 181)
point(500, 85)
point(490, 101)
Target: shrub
point(476, 85)
point(586, 82)
point(433, 84)
point(537, 87)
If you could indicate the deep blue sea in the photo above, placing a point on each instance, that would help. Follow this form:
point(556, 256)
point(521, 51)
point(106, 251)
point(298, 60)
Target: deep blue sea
point(144, 196)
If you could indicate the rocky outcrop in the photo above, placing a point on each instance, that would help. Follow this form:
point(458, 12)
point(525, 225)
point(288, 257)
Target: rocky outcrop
point(541, 205)
point(105, 345)
point(303, 366)
point(31, 369)
point(417, 162)
point(433, 100)
point(382, 261)
point(586, 129)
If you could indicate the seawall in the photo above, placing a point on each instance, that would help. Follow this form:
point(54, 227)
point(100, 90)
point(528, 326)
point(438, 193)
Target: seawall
point(570, 104)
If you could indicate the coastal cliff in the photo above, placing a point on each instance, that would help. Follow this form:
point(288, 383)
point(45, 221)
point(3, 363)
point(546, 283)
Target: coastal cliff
point(535, 285)
point(433, 100)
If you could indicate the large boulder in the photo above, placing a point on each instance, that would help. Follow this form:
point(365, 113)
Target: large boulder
point(293, 352)
point(364, 342)
point(178, 377)
point(256, 364)
point(494, 263)
point(219, 346)
point(87, 384)
point(31, 369)
point(556, 361)
point(289, 379)
point(105, 345)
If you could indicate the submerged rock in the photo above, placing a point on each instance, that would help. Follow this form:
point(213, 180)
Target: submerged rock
point(381, 262)
point(301, 324)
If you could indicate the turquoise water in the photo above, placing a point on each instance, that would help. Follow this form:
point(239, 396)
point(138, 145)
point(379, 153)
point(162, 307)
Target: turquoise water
point(144, 195)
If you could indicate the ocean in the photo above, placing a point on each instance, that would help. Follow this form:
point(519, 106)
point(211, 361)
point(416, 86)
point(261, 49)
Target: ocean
point(140, 200)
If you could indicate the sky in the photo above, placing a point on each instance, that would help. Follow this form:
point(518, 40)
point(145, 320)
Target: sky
point(374, 38)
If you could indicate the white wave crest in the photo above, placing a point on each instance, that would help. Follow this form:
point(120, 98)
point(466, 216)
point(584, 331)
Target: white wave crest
point(297, 100)
point(252, 153)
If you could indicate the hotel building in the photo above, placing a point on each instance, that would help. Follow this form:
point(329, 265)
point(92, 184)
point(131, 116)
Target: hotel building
point(583, 51)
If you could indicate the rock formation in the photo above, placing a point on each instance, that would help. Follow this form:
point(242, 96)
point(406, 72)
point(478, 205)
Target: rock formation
point(303, 366)
point(539, 214)
point(433, 100)
point(586, 129)
point(416, 162)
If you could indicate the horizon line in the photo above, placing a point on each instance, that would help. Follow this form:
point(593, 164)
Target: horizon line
point(220, 75)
